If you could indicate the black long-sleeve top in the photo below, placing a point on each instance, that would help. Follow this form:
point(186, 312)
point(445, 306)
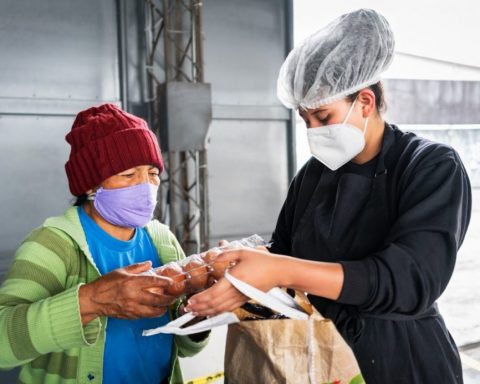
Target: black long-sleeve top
point(395, 224)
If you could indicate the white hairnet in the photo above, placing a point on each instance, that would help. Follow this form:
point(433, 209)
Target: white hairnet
point(347, 55)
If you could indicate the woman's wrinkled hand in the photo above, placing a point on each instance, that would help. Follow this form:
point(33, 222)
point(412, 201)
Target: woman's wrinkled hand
point(124, 293)
point(256, 267)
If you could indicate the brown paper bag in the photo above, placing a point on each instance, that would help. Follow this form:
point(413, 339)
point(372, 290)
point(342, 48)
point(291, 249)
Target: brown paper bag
point(289, 351)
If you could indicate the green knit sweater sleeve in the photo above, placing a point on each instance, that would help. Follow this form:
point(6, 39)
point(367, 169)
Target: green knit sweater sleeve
point(39, 310)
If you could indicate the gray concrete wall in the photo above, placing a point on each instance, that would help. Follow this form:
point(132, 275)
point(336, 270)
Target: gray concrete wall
point(433, 101)
point(70, 55)
point(62, 56)
point(58, 57)
point(441, 110)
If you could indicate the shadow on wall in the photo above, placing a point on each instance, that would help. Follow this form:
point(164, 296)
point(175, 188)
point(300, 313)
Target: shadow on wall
point(7, 377)
point(6, 258)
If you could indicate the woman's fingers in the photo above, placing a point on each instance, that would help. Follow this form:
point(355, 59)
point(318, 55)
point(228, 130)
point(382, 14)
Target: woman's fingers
point(220, 304)
point(142, 312)
point(138, 267)
point(219, 298)
point(154, 299)
point(212, 293)
point(142, 282)
point(125, 294)
point(243, 254)
point(226, 306)
point(147, 311)
point(144, 305)
point(231, 255)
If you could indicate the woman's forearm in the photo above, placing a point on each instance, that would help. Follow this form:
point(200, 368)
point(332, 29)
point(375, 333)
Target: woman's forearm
point(318, 278)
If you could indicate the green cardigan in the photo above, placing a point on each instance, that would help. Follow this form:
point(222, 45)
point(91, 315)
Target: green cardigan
point(40, 323)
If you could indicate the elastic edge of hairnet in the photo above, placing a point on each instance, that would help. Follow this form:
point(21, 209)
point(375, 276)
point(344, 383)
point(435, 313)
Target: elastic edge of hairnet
point(341, 95)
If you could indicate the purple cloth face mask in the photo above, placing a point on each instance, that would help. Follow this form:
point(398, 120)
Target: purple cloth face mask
point(127, 207)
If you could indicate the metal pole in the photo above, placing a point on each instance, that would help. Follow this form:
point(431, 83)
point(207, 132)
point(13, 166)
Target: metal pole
point(291, 135)
point(204, 203)
point(171, 193)
point(122, 53)
point(197, 6)
point(187, 196)
point(168, 28)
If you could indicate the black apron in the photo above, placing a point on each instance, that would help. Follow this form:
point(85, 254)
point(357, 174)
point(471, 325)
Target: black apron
point(347, 217)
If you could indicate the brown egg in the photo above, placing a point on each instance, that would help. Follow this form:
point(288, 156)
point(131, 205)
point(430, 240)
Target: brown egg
point(218, 267)
point(209, 256)
point(176, 274)
point(198, 271)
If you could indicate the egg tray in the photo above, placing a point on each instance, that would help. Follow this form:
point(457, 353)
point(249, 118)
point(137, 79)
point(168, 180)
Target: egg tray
point(198, 272)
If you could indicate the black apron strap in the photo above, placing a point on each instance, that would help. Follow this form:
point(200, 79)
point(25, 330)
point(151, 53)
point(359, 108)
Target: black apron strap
point(315, 168)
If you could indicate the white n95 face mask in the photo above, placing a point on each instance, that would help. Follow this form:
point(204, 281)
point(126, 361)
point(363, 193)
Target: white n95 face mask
point(336, 144)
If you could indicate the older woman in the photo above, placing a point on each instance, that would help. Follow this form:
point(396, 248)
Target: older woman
point(372, 223)
point(74, 304)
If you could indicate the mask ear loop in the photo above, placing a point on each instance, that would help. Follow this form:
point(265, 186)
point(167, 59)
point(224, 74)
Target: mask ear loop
point(365, 127)
point(93, 195)
point(350, 111)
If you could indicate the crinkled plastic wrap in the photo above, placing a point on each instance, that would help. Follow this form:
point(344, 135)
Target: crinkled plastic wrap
point(197, 272)
point(347, 55)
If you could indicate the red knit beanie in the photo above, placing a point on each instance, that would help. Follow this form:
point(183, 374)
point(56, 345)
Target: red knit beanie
point(105, 141)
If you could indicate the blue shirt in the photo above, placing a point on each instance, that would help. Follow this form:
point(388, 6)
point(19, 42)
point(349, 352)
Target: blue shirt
point(129, 357)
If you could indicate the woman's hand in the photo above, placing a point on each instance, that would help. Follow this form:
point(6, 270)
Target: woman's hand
point(253, 266)
point(265, 271)
point(123, 293)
